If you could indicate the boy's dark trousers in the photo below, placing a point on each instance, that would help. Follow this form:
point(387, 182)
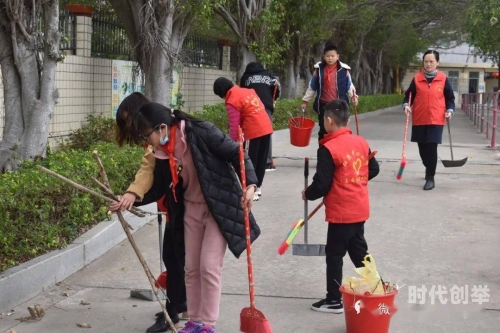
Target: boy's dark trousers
point(342, 238)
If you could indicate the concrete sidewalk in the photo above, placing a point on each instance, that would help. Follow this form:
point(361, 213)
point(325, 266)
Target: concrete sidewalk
point(447, 237)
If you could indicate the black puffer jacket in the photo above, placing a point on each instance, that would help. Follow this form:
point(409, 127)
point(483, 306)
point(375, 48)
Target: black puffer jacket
point(264, 84)
point(214, 155)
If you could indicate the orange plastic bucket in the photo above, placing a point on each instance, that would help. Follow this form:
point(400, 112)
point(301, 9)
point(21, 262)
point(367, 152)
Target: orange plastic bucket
point(368, 313)
point(301, 135)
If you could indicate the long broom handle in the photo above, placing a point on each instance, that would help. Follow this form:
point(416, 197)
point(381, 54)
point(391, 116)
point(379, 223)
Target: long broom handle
point(406, 128)
point(247, 220)
point(356, 118)
point(306, 217)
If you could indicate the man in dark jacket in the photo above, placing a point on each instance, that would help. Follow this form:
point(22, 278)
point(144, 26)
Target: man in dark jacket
point(268, 89)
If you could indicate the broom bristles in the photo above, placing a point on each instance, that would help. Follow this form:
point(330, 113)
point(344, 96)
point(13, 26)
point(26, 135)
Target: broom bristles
point(249, 324)
point(283, 248)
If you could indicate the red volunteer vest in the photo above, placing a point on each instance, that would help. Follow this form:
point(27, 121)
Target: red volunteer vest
point(429, 106)
point(348, 201)
point(254, 119)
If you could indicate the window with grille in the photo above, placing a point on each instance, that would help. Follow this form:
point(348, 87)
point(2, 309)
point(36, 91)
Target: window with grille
point(453, 78)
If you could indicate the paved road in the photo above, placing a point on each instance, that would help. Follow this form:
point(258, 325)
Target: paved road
point(448, 237)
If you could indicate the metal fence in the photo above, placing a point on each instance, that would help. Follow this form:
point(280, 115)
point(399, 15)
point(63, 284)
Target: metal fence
point(67, 26)
point(109, 39)
point(482, 110)
point(234, 59)
point(201, 52)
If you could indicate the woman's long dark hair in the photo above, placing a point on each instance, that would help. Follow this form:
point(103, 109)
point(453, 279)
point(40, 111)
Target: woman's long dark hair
point(153, 114)
point(127, 110)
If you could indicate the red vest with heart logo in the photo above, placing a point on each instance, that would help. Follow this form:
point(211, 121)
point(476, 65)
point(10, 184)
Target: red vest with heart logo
point(348, 201)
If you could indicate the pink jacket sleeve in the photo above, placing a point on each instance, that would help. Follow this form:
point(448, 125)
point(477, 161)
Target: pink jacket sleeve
point(233, 115)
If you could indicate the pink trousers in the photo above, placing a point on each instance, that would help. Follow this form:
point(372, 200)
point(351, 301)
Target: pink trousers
point(205, 249)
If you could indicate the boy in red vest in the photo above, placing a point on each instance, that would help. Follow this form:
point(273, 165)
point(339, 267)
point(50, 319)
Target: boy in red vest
point(345, 164)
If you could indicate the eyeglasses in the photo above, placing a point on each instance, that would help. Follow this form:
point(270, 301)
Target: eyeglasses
point(146, 137)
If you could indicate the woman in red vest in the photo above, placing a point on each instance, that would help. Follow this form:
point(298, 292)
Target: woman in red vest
point(433, 103)
point(245, 109)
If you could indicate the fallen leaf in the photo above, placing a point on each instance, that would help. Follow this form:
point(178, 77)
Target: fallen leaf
point(65, 294)
point(83, 325)
point(82, 302)
point(123, 268)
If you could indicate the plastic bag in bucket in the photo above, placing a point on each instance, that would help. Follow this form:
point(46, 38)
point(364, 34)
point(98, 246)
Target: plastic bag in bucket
point(368, 302)
point(300, 131)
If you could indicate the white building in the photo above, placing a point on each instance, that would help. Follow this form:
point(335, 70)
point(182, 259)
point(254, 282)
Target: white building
point(467, 72)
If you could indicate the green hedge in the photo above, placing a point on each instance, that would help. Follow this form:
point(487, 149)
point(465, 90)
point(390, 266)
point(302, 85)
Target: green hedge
point(39, 213)
point(218, 115)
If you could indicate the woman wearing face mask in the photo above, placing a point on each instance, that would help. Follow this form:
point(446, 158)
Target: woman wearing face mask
point(433, 103)
point(194, 170)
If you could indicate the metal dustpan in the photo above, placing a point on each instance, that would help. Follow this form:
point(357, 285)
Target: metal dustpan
point(453, 163)
point(307, 249)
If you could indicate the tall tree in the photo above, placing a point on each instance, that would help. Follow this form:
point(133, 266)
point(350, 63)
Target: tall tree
point(250, 21)
point(484, 29)
point(308, 23)
point(157, 29)
point(28, 59)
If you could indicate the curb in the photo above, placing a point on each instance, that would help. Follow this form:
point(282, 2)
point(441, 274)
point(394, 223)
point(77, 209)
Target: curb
point(21, 283)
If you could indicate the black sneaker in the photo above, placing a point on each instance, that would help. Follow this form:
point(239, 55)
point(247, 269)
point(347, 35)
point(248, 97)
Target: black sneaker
point(328, 306)
point(270, 168)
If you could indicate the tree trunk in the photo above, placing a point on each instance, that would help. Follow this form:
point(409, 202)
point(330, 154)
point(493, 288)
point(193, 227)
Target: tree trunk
point(289, 83)
point(13, 129)
point(158, 73)
point(40, 110)
point(29, 91)
point(246, 57)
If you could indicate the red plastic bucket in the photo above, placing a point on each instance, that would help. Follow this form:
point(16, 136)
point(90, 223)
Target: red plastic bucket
point(368, 313)
point(161, 281)
point(301, 135)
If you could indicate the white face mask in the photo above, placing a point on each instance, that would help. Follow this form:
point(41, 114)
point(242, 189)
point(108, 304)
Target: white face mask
point(164, 140)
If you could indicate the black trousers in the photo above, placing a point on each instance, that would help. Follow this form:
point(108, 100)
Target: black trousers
point(321, 121)
point(429, 156)
point(257, 151)
point(176, 287)
point(342, 238)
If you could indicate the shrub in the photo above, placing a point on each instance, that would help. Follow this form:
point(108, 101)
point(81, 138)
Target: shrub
point(39, 213)
point(96, 129)
point(217, 113)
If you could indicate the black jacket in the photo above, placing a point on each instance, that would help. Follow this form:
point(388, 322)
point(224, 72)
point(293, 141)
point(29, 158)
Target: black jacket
point(264, 84)
point(214, 155)
point(325, 170)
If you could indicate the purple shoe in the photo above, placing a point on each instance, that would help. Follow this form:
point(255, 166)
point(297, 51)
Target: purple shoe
point(207, 329)
point(191, 327)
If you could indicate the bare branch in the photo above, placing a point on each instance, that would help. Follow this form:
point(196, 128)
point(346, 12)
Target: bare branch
point(24, 32)
point(246, 9)
point(230, 20)
point(15, 48)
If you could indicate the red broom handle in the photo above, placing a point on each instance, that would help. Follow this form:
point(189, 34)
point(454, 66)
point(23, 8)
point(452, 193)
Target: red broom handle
point(406, 128)
point(356, 117)
point(247, 220)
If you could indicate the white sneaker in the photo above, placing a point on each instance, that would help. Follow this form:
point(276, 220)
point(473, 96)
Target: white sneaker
point(259, 192)
point(256, 197)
